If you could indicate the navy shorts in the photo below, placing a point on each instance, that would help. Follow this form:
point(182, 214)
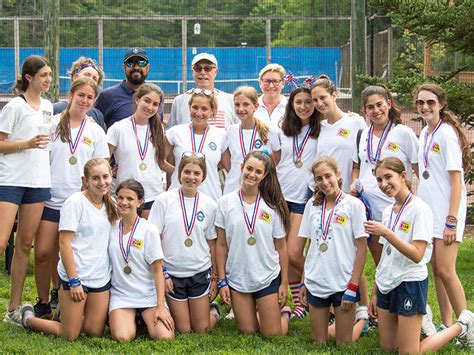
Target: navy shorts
point(86, 289)
point(24, 195)
point(192, 287)
point(294, 207)
point(147, 205)
point(50, 215)
point(407, 299)
point(269, 290)
point(335, 300)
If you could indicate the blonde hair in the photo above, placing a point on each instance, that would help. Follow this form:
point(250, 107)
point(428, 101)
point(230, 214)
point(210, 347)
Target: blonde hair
point(274, 68)
point(81, 63)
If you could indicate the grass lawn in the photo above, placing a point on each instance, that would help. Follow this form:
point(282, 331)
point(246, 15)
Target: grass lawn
point(224, 338)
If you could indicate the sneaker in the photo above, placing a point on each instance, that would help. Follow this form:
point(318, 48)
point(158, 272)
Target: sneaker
point(214, 311)
point(53, 303)
point(230, 315)
point(427, 326)
point(13, 317)
point(331, 318)
point(27, 311)
point(373, 324)
point(42, 310)
point(298, 313)
point(466, 338)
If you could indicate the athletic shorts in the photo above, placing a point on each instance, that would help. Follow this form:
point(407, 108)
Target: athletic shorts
point(86, 289)
point(407, 299)
point(335, 300)
point(269, 290)
point(189, 288)
point(24, 195)
point(51, 215)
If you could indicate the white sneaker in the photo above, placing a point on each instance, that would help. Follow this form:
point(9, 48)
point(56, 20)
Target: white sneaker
point(427, 326)
point(230, 315)
point(13, 317)
point(27, 311)
point(467, 318)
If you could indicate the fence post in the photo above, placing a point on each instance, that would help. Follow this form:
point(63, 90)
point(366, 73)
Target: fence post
point(390, 53)
point(16, 45)
point(358, 50)
point(268, 39)
point(184, 50)
point(100, 44)
point(51, 44)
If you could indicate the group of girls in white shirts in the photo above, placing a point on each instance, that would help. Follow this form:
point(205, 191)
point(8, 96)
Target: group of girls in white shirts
point(313, 180)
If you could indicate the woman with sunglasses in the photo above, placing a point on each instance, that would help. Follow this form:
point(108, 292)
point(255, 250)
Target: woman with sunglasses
point(129, 141)
point(444, 156)
point(25, 177)
point(189, 238)
point(198, 137)
point(251, 253)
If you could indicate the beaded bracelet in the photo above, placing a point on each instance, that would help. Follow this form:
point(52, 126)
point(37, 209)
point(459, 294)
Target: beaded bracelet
point(214, 277)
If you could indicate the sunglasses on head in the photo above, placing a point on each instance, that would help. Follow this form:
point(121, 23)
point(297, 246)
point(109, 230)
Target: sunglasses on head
point(198, 91)
point(428, 102)
point(193, 155)
point(199, 68)
point(142, 63)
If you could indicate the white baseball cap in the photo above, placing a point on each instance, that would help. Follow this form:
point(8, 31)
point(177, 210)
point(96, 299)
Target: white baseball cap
point(204, 56)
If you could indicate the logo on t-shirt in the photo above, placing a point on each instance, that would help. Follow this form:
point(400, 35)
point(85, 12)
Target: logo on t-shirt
point(404, 226)
point(88, 141)
point(258, 144)
point(408, 304)
point(200, 216)
point(436, 148)
point(392, 146)
point(340, 219)
point(137, 243)
point(213, 146)
point(343, 132)
point(265, 216)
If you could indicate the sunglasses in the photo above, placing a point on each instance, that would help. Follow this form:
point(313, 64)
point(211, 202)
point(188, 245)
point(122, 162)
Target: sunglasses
point(428, 102)
point(142, 63)
point(198, 91)
point(193, 155)
point(274, 82)
point(207, 68)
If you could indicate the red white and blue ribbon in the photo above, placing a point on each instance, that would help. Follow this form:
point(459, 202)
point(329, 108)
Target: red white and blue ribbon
point(405, 203)
point(250, 223)
point(242, 140)
point(427, 145)
point(298, 149)
point(188, 224)
point(142, 149)
point(126, 251)
point(193, 140)
point(74, 144)
point(370, 137)
point(325, 223)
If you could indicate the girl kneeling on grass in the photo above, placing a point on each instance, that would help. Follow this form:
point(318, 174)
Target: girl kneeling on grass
point(401, 290)
point(185, 218)
point(333, 221)
point(138, 285)
point(252, 223)
point(84, 267)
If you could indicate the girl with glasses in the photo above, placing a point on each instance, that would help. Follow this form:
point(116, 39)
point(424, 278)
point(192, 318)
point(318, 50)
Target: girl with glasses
point(185, 219)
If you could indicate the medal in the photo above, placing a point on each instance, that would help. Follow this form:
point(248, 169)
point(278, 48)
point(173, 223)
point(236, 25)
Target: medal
point(323, 247)
point(73, 160)
point(325, 223)
point(193, 140)
point(242, 140)
point(383, 137)
point(125, 250)
point(250, 223)
point(405, 203)
point(73, 144)
point(188, 224)
point(426, 174)
point(426, 146)
point(298, 149)
point(142, 149)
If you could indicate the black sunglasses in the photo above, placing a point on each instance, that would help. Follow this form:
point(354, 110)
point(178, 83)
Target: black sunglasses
point(142, 63)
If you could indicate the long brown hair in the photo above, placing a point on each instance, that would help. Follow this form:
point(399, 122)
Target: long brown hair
point(450, 118)
point(269, 187)
point(62, 130)
point(31, 66)
point(110, 205)
point(394, 114)
point(332, 164)
point(251, 94)
point(326, 83)
point(291, 124)
point(156, 127)
point(394, 164)
point(193, 159)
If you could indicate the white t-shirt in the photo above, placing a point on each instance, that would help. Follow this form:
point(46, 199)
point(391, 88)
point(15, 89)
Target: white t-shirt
point(225, 115)
point(122, 136)
point(250, 268)
point(91, 229)
point(338, 140)
point(444, 155)
point(278, 112)
point(401, 143)
point(294, 181)
point(394, 268)
point(166, 214)
point(232, 181)
point(66, 178)
point(329, 272)
point(136, 290)
point(180, 138)
point(28, 167)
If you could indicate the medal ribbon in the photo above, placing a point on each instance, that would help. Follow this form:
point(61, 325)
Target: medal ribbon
point(383, 138)
point(126, 252)
point(188, 225)
point(242, 140)
point(426, 147)
point(250, 223)
point(325, 223)
point(193, 140)
point(405, 203)
point(74, 144)
point(298, 150)
point(142, 150)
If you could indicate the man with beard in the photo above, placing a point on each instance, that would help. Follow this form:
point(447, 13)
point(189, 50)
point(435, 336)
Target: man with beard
point(116, 102)
point(204, 67)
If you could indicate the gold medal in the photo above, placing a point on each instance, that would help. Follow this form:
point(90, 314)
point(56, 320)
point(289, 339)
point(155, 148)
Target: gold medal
point(127, 269)
point(188, 242)
point(142, 166)
point(426, 174)
point(73, 160)
point(251, 240)
point(323, 247)
point(299, 164)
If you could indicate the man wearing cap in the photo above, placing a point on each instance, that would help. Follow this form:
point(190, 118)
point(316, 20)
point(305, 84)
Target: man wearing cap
point(204, 67)
point(116, 102)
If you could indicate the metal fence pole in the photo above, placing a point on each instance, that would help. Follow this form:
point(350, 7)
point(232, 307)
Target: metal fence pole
point(390, 53)
point(268, 40)
point(16, 45)
point(184, 49)
point(100, 40)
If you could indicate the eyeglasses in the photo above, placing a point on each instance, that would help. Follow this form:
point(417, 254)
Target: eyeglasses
point(198, 91)
point(190, 154)
point(274, 82)
point(207, 68)
point(142, 63)
point(430, 102)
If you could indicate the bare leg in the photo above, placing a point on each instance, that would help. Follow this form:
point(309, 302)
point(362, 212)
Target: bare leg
point(122, 324)
point(344, 324)
point(181, 315)
point(95, 313)
point(158, 330)
point(408, 334)
point(319, 317)
point(445, 309)
point(245, 312)
point(270, 315)
point(45, 241)
point(388, 327)
point(199, 312)
point(8, 212)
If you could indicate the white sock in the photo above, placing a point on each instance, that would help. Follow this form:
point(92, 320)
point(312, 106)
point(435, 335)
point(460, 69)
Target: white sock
point(27, 315)
point(463, 329)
